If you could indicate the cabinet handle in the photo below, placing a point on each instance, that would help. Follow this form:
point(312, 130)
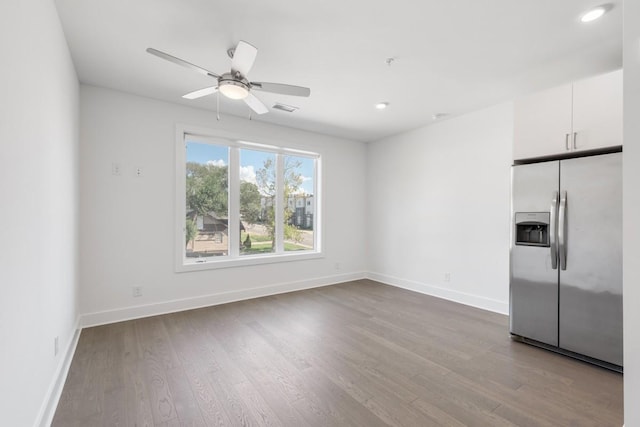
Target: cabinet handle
point(566, 142)
point(575, 137)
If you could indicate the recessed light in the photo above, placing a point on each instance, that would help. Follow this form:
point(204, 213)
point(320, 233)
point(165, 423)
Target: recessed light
point(593, 14)
point(382, 105)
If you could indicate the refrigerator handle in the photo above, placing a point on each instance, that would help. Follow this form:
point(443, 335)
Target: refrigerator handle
point(562, 233)
point(553, 242)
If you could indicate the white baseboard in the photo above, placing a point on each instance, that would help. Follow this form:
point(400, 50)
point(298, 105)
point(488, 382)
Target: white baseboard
point(477, 301)
point(50, 403)
point(136, 312)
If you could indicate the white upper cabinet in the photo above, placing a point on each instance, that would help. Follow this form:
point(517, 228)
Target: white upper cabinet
point(542, 122)
point(597, 112)
point(585, 115)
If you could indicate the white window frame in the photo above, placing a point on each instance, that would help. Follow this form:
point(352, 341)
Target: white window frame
point(234, 259)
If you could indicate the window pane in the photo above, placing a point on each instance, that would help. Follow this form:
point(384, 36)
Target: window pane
point(257, 195)
point(299, 173)
point(207, 201)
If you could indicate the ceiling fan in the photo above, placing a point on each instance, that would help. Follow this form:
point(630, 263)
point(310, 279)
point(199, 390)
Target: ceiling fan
point(235, 84)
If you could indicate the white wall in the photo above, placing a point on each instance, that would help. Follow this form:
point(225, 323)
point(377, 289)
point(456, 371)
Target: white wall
point(631, 213)
point(38, 189)
point(438, 202)
point(127, 235)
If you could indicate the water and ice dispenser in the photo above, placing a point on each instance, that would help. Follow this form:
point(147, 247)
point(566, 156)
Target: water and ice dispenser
point(532, 228)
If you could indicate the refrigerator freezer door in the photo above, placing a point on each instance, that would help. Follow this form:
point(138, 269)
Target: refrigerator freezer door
point(533, 281)
point(591, 285)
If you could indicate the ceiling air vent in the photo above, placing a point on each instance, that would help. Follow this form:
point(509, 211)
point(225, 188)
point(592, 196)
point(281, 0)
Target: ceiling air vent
point(284, 107)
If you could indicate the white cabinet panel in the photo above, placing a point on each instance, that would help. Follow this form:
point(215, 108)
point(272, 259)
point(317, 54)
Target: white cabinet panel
point(542, 122)
point(597, 112)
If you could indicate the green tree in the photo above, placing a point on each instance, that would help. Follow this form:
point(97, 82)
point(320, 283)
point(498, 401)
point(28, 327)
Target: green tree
point(207, 190)
point(191, 231)
point(266, 179)
point(249, 202)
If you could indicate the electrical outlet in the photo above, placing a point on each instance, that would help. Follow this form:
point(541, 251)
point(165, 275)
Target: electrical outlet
point(337, 266)
point(447, 277)
point(56, 348)
point(116, 169)
point(139, 173)
point(137, 291)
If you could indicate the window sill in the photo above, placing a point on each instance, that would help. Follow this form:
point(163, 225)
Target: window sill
point(246, 260)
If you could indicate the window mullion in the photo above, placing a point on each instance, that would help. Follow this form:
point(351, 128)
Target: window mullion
point(317, 223)
point(279, 204)
point(181, 155)
point(233, 226)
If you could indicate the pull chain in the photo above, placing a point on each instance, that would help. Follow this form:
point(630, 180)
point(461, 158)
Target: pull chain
point(218, 106)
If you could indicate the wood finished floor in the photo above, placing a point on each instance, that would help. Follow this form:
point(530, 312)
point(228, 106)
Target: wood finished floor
point(355, 354)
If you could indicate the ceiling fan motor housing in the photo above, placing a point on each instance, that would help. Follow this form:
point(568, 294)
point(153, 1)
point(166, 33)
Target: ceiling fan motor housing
point(233, 87)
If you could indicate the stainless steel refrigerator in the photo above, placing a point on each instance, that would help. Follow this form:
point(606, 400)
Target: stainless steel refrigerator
point(566, 256)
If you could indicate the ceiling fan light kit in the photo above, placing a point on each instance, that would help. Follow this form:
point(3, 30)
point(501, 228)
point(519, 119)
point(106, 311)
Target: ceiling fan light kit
point(233, 88)
point(235, 85)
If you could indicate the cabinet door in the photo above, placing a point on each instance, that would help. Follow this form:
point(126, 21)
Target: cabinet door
point(542, 122)
point(597, 111)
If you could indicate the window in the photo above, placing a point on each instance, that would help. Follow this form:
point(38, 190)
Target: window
point(244, 203)
point(298, 191)
point(206, 194)
point(257, 195)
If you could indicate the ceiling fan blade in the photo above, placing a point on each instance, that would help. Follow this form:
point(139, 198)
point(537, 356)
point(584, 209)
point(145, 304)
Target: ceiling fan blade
point(281, 88)
point(201, 92)
point(255, 104)
point(182, 62)
point(244, 56)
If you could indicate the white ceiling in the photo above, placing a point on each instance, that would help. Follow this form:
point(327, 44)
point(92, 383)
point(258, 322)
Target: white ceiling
point(451, 56)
